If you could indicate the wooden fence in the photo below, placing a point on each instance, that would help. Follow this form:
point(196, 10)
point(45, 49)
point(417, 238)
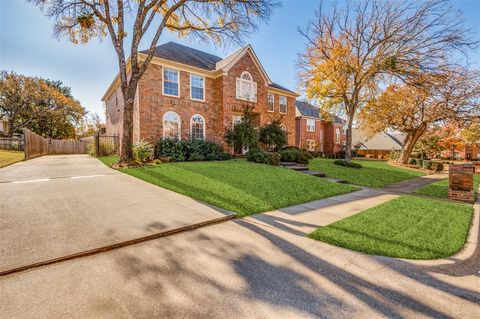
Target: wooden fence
point(11, 143)
point(36, 145)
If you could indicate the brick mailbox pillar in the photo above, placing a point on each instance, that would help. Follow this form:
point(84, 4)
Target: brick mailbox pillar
point(460, 185)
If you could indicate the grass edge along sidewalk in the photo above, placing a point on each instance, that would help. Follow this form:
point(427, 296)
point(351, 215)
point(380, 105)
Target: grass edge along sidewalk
point(373, 174)
point(237, 185)
point(406, 227)
point(440, 188)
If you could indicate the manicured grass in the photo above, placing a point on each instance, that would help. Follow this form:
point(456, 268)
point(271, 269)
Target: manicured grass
point(239, 186)
point(10, 157)
point(109, 160)
point(440, 188)
point(406, 227)
point(373, 173)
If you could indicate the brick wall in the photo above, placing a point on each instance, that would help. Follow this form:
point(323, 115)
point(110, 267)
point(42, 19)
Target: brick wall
point(331, 145)
point(460, 182)
point(303, 135)
point(218, 109)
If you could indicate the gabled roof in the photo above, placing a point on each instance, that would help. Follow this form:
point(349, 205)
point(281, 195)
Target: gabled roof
point(380, 141)
point(307, 109)
point(182, 54)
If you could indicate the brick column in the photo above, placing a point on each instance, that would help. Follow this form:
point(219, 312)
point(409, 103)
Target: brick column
point(460, 185)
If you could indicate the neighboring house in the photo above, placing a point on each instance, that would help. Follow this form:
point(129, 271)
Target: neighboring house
point(378, 145)
point(318, 133)
point(189, 94)
point(466, 151)
point(3, 127)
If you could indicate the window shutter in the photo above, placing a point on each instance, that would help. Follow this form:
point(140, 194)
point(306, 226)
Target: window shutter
point(238, 88)
point(254, 91)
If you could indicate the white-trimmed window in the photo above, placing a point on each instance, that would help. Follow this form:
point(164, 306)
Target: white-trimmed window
point(283, 127)
point(171, 81)
point(283, 104)
point(337, 135)
point(197, 127)
point(311, 145)
point(310, 125)
point(271, 102)
point(171, 126)
point(236, 119)
point(197, 87)
point(246, 88)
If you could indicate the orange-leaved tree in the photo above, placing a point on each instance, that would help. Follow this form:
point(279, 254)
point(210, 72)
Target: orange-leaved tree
point(354, 49)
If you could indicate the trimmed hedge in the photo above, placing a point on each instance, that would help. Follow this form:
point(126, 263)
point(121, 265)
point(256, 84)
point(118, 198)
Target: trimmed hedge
point(347, 164)
point(263, 157)
point(427, 164)
point(190, 150)
point(292, 154)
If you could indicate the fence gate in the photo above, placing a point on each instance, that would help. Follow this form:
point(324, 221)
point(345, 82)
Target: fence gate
point(36, 145)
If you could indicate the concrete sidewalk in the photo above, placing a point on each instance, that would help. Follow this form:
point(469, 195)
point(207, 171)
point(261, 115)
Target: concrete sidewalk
point(60, 205)
point(304, 218)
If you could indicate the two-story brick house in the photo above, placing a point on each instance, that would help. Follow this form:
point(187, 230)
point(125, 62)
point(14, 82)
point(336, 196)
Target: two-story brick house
point(318, 133)
point(189, 94)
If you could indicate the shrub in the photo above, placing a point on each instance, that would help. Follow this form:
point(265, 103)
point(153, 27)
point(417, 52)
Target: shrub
point(142, 151)
point(412, 161)
point(437, 166)
point(419, 162)
point(191, 150)
point(393, 156)
point(296, 155)
point(272, 136)
point(259, 156)
point(347, 164)
point(244, 134)
point(426, 164)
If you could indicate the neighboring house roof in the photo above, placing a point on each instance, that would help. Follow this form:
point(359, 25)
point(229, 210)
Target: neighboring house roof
point(210, 63)
point(380, 141)
point(307, 109)
point(182, 54)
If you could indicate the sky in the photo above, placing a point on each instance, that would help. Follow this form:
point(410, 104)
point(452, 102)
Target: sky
point(28, 47)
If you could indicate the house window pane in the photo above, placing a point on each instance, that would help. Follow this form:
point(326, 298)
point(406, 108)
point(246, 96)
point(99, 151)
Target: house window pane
point(270, 102)
point(170, 82)
point(337, 135)
point(310, 125)
point(197, 127)
point(197, 84)
point(246, 88)
point(283, 104)
point(171, 126)
point(311, 145)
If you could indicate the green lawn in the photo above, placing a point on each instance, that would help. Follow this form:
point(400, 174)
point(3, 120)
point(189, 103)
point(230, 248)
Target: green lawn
point(406, 227)
point(237, 185)
point(109, 160)
point(10, 157)
point(440, 188)
point(373, 173)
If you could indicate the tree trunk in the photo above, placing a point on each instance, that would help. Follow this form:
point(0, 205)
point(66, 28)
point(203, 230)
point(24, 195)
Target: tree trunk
point(348, 141)
point(127, 136)
point(407, 150)
point(11, 128)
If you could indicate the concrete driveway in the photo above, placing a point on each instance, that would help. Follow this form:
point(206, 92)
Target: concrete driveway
point(243, 269)
point(54, 206)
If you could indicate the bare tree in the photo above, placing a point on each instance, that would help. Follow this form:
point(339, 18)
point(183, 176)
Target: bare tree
point(354, 50)
point(223, 21)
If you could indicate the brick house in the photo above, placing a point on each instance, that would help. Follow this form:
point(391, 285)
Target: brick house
point(316, 132)
point(189, 94)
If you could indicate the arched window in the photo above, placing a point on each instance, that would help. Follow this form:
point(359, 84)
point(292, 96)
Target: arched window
point(246, 88)
point(337, 135)
point(171, 126)
point(197, 127)
point(283, 127)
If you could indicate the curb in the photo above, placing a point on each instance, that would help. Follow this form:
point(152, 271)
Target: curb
point(115, 246)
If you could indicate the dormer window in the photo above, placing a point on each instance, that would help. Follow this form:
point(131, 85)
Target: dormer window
point(246, 88)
